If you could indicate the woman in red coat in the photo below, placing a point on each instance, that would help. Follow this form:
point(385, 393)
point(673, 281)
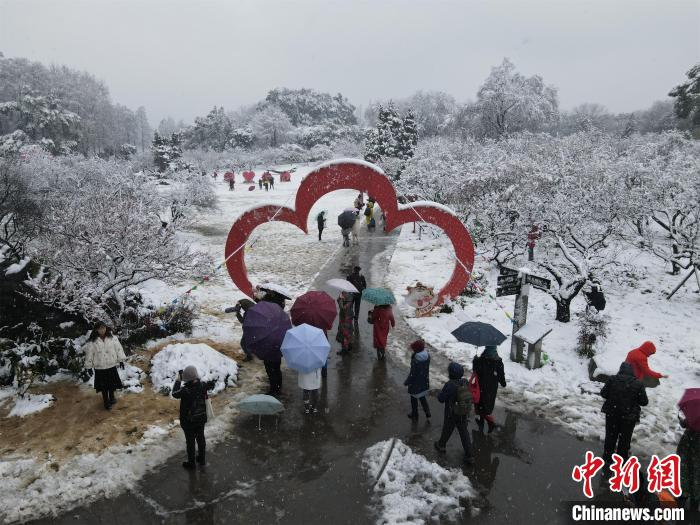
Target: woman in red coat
point(382, 318)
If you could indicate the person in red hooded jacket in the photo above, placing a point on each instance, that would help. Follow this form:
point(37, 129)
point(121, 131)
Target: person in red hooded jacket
point(638, 358)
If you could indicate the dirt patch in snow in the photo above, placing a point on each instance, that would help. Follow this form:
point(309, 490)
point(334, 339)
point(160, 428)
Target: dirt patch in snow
point(77, 423)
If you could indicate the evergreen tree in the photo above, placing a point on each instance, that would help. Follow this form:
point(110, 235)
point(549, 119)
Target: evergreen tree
point(687, 95)
point(408, 139)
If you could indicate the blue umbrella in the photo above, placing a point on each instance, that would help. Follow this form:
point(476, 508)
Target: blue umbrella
point(378, 296)
point(264, 327)
point(478, 334)
point(305, 348)
point(261, 404)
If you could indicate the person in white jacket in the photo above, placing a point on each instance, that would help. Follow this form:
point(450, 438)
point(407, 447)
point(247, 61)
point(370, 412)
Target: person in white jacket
point(310, 383)
point(103, 353)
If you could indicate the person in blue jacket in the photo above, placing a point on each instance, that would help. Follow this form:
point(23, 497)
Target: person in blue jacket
point(418, 379)
point(457, 398)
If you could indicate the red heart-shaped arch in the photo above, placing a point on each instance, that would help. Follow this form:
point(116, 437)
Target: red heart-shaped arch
point(361, 176)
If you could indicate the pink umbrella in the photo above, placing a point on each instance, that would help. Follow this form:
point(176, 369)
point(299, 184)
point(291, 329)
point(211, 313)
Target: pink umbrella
point(690, 406)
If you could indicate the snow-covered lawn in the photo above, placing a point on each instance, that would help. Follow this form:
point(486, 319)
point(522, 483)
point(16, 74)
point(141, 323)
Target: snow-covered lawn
point(211, 366)
point(31, 403)
point(561, 390)
point(410, 489)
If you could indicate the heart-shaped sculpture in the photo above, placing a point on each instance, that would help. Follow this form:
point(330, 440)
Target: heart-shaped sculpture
point(361, 176)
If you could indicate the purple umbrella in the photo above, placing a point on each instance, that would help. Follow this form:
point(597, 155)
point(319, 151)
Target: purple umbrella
point(690, 406)
point(264, 327)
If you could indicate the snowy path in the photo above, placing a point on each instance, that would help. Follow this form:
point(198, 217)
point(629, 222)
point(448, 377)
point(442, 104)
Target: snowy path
point(309, 470)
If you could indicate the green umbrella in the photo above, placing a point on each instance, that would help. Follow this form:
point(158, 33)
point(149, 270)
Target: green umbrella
point(261, 404)
point(378, 296)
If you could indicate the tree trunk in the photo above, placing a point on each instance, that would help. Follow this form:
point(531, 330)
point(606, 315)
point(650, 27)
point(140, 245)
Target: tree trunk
point(563, 310)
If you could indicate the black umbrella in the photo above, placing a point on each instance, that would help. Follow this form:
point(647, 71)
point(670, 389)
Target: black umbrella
point(347, 219)
point(478, 334)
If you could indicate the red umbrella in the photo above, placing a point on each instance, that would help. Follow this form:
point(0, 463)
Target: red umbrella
point(690, 406)
point(315, 309)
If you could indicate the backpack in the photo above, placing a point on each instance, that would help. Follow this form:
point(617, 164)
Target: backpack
point(463, 400)
point(197, 413)
point(368, 211)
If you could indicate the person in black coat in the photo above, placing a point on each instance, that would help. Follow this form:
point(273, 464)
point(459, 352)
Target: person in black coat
point(192, 394)
point(449, 396)
point(488, 368)
point(321, 223)
point(418, 380)
point(358, 281)
point(624, 396)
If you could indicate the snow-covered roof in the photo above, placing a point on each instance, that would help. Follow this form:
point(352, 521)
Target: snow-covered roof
point(533, 332)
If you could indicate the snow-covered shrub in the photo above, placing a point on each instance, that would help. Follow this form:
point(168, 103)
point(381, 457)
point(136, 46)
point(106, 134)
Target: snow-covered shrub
point(211, 365)
point(593, 327)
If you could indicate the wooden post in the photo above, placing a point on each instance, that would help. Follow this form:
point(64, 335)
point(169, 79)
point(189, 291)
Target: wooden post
point(519, 318)
point(534, 355)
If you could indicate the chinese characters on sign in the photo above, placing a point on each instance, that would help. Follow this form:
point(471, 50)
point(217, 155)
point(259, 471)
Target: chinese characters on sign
point(662, 474)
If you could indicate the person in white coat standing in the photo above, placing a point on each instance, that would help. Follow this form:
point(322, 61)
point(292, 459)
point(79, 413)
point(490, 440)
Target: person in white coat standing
point(310, 383)
point(103, 353)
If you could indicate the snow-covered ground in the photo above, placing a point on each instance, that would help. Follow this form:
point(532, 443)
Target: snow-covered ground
point(561, 390)
point(211, 366)
point(411, 489)
point(34, 486)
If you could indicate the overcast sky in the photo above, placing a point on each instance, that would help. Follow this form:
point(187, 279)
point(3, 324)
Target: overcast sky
point(180, 58)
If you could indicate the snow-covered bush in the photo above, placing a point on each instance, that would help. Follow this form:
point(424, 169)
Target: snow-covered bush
point(593, 328)
point(211, 365)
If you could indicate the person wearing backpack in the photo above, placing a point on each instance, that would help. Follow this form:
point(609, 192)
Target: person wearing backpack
point(457, 398)
point(488, 368)
point(192, 394)
point(624, 396)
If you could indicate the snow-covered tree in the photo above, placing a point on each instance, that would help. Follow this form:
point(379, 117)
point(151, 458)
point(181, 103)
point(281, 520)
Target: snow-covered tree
point(508, 101)
point(214, 131)
point(271, 125)
point(166, 151)
point(687, 95)
point(306, 107)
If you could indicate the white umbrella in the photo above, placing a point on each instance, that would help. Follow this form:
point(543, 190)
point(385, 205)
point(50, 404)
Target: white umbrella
point(342, 285)
point(273, 287)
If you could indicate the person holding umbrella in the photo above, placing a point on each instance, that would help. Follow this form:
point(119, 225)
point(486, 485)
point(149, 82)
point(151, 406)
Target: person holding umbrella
point(358, 280)
point(381, 317)
point(264, 328)
point(689, 449)
point(344, 335)
point(418, 380)
point(624, 396)
point(488, 368)
point(316, 309)
point(305, 349)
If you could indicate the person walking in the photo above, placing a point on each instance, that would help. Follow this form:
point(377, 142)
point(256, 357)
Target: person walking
point(624, 396)
point(418, 380)
point(382, 318)
point(344, 335)
point(103, 353)
point(369, 215)
point(359, 201)
point(231, 184)
point(457, 398)
point(240, 310)
point(689, 452)
point(260, 183)
point(310, 383)
point(355, 230)
point(358, 281)
point(321, 223)
point(488, 368)
point(272, 182)
point(639, 359)
point(273, 367)
point(192, 394)
point(346, 237)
